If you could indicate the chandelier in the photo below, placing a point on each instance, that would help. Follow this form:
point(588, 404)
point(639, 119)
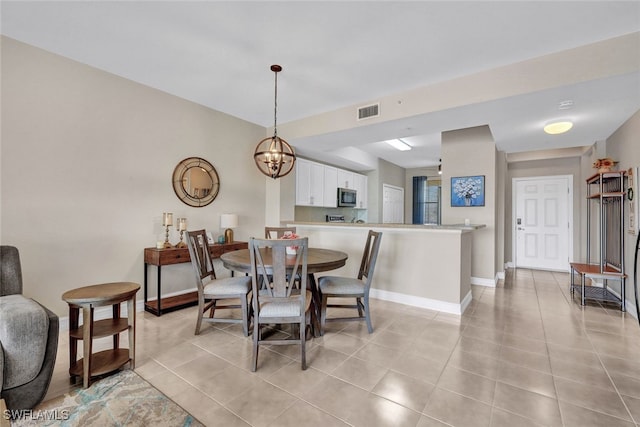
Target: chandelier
point(274, 156)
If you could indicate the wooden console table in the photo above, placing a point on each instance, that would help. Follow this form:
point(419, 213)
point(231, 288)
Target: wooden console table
point(160, 257)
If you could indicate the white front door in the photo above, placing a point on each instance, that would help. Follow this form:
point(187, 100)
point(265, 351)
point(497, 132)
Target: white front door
point(392, 204)
point(542, 222)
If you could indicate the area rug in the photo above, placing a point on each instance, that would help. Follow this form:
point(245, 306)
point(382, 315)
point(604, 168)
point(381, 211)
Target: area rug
point(122, 399)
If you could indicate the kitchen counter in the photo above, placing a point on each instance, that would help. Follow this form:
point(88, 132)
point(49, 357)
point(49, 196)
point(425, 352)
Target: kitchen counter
point(426, 266)
point(459, 227)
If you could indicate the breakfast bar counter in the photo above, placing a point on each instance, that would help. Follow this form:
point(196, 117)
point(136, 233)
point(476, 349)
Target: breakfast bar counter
point(427, 266)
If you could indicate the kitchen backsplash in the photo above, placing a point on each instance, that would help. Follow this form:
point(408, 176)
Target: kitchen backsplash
point(310, 214)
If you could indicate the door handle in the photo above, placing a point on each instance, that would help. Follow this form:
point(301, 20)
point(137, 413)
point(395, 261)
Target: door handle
point(520, 228)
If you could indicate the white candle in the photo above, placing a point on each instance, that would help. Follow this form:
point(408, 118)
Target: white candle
point(182, 224)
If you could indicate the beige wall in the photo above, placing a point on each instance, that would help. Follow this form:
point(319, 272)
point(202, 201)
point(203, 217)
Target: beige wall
point(624, 147)
point(456, 161)
point(87, 160)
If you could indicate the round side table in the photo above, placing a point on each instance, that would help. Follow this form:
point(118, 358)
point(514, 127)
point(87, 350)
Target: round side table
point(87, 298)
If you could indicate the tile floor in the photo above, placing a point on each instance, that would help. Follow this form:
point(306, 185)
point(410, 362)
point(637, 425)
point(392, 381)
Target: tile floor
point(523, 354)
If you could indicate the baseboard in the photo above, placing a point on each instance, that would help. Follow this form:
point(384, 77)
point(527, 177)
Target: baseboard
point(509, 264)
point(481, 281)
point(421, 302)
point(500, 275)
point(631, 309)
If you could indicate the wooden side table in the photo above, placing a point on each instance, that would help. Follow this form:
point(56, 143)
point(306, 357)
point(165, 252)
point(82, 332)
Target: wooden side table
point(87, 298)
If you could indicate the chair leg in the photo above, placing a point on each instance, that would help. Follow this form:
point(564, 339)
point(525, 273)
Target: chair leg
point(256, 337)
point(245, 316)
point(213, 309)
point(200, 314)
point(303, 341)
point(359, 305)
point(367, 314)
point(323, 314)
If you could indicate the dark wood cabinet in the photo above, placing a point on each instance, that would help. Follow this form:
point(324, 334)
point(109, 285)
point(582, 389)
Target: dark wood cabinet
point(162, 257)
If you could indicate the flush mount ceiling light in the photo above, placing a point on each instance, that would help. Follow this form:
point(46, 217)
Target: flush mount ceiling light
point(399, 144)
point(274, 156)
point(555, 128)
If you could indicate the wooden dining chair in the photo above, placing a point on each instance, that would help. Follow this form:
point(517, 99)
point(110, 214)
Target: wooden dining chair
point(275, 301)
point(351, 287)
point(277, 232)
point(211, 290)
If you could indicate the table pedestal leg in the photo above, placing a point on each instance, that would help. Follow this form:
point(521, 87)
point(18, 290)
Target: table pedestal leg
point(315, 306)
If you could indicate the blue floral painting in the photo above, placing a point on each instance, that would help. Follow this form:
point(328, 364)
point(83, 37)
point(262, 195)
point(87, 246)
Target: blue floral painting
point(467, 191)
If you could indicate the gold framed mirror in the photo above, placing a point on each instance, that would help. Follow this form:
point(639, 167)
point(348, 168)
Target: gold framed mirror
point(196, 182)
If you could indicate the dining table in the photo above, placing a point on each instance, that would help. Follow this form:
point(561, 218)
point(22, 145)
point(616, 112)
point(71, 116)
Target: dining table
point(318, 261)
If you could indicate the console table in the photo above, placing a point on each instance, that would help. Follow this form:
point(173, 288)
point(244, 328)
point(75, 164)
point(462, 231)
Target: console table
point(161, 257)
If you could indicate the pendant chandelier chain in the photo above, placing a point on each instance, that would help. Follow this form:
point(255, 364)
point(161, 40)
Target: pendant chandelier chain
point(275, 108)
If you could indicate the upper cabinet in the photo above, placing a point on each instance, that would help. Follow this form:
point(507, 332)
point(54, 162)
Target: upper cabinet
point(309, 183)
point(345, 179)
point(317, 184)
point(360, 185)
point(330, 187)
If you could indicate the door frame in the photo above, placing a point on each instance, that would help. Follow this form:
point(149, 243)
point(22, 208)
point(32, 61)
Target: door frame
point(514, 207)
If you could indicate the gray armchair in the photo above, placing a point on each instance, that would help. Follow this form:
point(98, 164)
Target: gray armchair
point(28, 338)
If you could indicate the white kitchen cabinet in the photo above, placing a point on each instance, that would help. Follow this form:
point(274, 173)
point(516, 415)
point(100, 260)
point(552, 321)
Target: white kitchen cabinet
point(309, 183)
point(330, 187)
point(360, 185)
point(317, 184)
point(345, 179)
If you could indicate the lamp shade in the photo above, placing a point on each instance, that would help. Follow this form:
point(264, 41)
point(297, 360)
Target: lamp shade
point(228, 220)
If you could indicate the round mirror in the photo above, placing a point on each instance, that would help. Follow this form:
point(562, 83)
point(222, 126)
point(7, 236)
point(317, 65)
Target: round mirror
point(196, 182)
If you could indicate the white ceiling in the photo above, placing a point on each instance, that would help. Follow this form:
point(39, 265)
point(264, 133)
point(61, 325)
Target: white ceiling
point(336, 54)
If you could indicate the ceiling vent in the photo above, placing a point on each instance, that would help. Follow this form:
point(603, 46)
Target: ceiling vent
point(369, 111)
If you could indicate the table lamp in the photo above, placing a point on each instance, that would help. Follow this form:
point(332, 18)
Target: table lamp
point(228, 221)
point(167, 221)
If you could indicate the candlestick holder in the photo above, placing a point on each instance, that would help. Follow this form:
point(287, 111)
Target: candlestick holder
point(167, 221)
point(182, 227)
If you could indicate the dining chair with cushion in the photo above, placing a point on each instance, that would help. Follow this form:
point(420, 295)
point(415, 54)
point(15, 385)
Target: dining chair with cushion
point(277, 232)
point(211, 290)
point(275, 299)
point(352, 287)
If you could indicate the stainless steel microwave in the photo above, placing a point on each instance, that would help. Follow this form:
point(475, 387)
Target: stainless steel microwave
point(346, 197)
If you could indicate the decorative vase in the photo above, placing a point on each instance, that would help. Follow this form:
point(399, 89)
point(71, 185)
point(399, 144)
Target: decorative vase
point(467, 200)
point(604, 169)
point(292, 250)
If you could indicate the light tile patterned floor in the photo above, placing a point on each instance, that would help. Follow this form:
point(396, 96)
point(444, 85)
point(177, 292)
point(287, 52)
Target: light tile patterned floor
point(523, 354)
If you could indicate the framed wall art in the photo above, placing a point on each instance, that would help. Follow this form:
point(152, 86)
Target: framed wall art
point(467, 191)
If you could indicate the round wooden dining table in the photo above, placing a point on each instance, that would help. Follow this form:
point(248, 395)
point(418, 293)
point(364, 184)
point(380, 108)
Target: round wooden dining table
point(318, 260)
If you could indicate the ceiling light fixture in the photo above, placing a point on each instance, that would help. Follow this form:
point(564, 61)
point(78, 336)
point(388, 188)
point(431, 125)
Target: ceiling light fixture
point(274, 156)
point(399, 144)
point(555, 128)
